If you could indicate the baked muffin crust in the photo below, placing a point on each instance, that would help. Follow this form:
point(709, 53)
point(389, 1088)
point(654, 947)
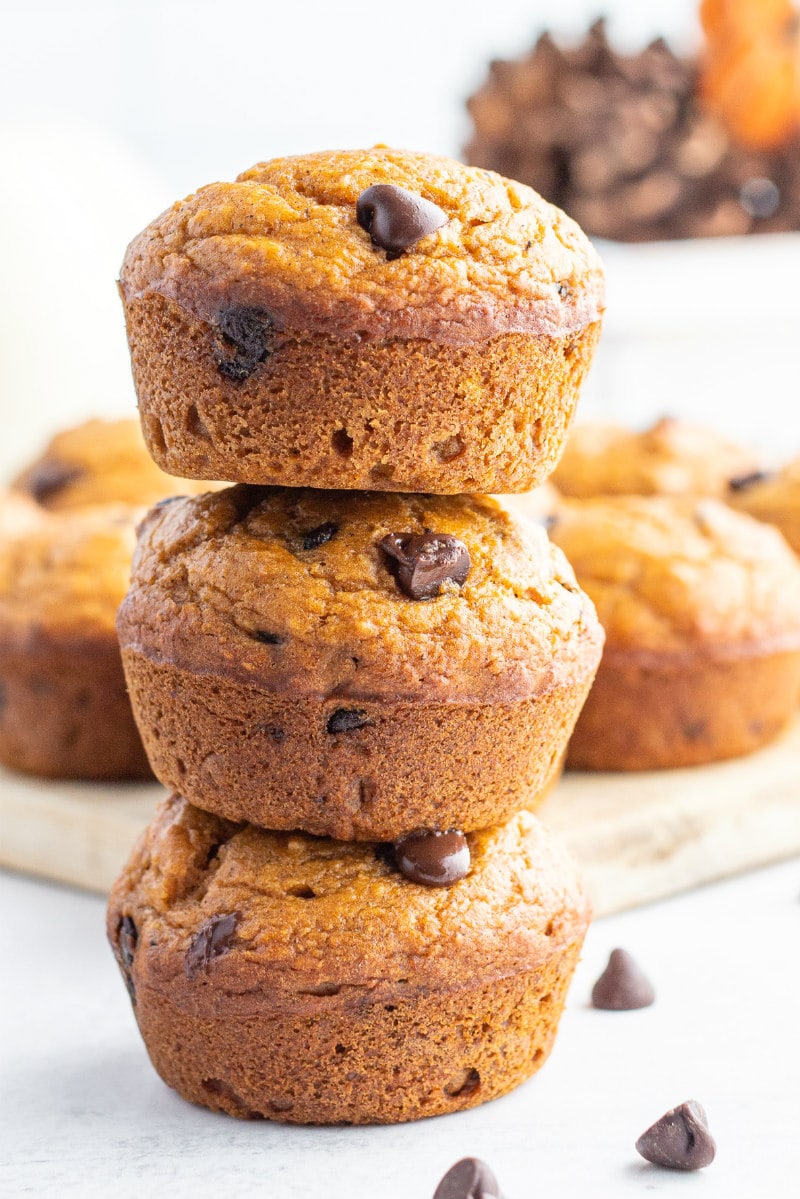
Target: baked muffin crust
point(222, 583)
point(675, 575)
point(99, 462)
point(303, 688)
point(284, 238)
point(701, 608)
point(773, 498)
point(673, 457)
point(64, 710)
point(309, 1004)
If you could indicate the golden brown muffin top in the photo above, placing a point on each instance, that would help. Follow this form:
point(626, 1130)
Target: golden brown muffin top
point(284, 238)
point(309, 918)
point(676, 574)
point(99, 462)
point(290, 590)
point(674, 457)
point(63, 572)
point(774, 498)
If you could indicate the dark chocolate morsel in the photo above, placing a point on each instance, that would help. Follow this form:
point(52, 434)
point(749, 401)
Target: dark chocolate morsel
point(395, 218)
point(266, 638)
point(622, 987)
point(47, 478)
point(345, 720)
point(127, 937)
point(468, 1179)
point(212, 939)
point(436, 859)
point(314, 538)
point(742, 482)
point(422, 562)
point(680, 1140)
point(248, 332)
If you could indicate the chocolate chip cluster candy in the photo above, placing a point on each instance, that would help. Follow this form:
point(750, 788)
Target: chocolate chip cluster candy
point(356, 674)
point(625, 145)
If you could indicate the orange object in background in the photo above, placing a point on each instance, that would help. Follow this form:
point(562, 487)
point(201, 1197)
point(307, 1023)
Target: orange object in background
point(750, 74)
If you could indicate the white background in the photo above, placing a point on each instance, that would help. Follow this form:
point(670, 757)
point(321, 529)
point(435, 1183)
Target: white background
point(109, 111)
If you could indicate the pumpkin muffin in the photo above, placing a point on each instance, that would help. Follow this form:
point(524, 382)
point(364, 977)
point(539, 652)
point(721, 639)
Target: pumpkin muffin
point(99, 462)
point(701, 608)
point(64, 710)
point(268, 982)
point(354, 664)
point(362, 319)
point(673, 457)
point(773, 498)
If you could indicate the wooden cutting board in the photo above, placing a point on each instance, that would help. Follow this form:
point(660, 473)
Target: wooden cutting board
point(639, 837)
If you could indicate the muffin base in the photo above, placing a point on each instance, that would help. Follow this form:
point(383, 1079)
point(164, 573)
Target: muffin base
point(362, 1062)
point(384, 415)
point(651, 713)
point(64, 709)
point(253, 755)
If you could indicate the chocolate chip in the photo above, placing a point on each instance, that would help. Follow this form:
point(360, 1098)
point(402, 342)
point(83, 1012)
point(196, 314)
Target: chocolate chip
point(422, 562)
point(436, 859)
point(266, 638)
point(345, 720)
point(127, 937)
point(211, 940)
point(468, 1179)
point(760, 198)
point(47, 478)
point(314, 538)
point(742, 482)
point(249, 332)
point(680, 1140)
point(395, 218)
point(622, 987)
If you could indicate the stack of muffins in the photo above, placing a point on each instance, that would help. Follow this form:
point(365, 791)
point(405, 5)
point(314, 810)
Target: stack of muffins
point(349, 642)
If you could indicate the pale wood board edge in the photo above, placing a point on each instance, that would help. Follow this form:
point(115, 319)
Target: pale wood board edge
point(639, 837)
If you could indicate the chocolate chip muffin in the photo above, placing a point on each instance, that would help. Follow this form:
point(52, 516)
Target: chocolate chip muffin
point(354, 664)
point(64, 710)
point(279, 976)
point(771, 497)
point(701, 608)
point(99, 462)
point(673, 457)
point(361, 319)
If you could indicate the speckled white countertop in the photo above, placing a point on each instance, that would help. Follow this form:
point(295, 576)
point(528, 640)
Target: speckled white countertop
point(82, 1113)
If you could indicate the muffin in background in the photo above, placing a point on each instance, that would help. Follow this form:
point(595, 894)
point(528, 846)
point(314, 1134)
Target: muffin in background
point(99, 462)
point(672, 457)
point(65, 711)
point(771, 497)
point(701, 609)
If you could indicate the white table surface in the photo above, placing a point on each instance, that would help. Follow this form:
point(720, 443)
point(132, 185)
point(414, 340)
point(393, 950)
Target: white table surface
point(83, 1113)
